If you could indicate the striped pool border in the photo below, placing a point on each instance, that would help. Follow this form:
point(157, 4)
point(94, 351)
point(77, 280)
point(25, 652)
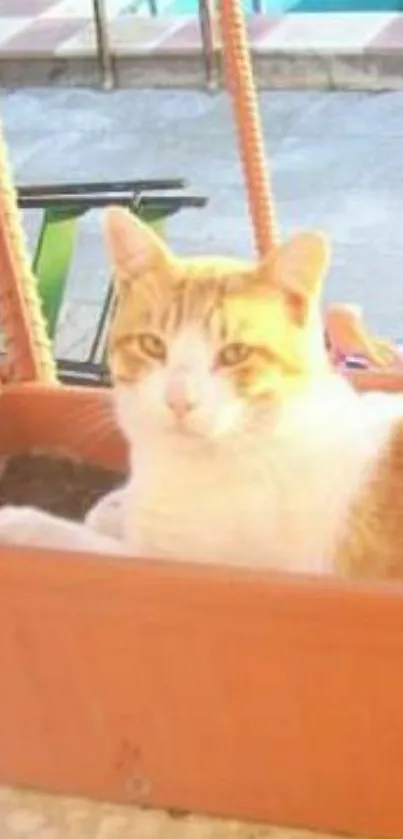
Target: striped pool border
point(346, 50)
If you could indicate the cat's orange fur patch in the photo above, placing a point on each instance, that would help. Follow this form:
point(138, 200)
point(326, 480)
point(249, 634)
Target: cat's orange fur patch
point(372, 546)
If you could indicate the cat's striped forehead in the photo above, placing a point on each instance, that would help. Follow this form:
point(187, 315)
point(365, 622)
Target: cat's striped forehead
point(193, 291)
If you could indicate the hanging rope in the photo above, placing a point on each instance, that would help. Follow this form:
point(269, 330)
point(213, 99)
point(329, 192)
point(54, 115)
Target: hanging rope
point(240, 84)
point(27, 343)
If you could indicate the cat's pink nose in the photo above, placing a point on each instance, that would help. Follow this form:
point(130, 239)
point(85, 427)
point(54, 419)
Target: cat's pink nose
point(180, 395)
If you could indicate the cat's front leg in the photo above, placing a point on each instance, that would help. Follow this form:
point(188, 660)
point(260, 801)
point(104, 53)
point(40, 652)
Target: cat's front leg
point(30, 527)
point(113, 516)
point(107, 516)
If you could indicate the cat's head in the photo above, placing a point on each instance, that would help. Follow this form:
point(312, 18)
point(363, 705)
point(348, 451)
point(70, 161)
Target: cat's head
point(196, 344)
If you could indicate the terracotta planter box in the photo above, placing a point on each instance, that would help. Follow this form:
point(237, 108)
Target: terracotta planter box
point(232, 692)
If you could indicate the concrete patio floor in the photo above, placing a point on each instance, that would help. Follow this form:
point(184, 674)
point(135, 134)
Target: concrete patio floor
point(28, 815)
point(336, 160)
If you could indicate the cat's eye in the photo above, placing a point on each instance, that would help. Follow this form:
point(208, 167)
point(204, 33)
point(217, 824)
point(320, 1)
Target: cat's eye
point(151, 345)
point(233, 354)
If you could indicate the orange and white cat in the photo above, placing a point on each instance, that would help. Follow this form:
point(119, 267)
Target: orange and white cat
point(247, 447)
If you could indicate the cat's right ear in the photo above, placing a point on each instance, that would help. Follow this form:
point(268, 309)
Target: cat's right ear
point(133, 246)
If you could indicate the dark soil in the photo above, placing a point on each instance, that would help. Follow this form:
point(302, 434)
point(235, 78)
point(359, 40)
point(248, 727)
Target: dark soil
point(58, 484)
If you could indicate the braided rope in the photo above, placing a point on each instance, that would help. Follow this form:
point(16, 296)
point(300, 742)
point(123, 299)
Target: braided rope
point(240, 84)
point(27, 343)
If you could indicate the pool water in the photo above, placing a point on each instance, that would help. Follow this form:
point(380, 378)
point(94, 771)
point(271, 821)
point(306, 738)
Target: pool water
point(345, 6)
point(188, 7)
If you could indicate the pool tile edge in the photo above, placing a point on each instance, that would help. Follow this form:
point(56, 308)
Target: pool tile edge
point(341, 51)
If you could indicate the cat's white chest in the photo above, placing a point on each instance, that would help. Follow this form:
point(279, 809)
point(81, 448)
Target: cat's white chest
point(262, 521)
point(281, 505)
point(217, 525)
point(210, 518)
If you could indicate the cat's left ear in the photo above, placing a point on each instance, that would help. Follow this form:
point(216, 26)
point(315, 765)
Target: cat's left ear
point(297, 269)
point(133, 246)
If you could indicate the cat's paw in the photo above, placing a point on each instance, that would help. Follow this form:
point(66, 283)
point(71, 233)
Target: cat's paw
point(21, 525)
point(107, 516)
point(27, 526)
